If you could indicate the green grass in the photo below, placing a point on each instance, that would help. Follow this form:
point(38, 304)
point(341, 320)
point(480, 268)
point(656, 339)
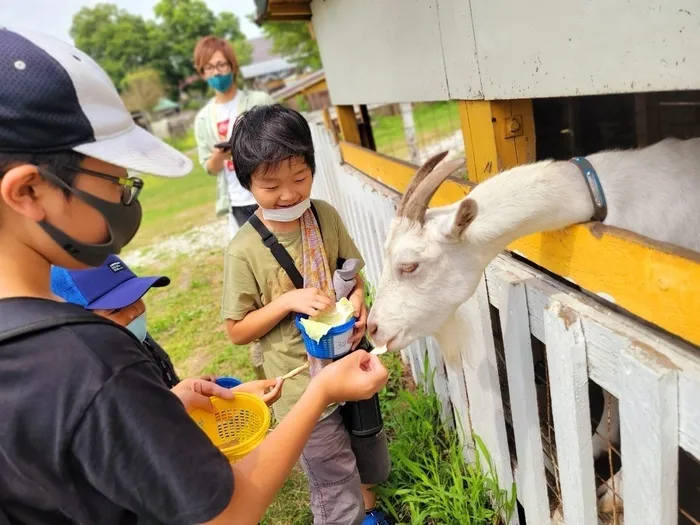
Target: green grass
point(172, 206)
point(184, 317)
point(433, 122)
point(186, 143)
point(431, 483)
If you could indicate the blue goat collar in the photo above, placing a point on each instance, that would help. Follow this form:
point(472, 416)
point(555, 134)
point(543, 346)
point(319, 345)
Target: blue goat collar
point(590, 175)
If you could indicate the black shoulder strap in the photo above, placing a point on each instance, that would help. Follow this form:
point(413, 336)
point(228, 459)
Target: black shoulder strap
point(318, 221)
point(280, 254)
point(49, 322)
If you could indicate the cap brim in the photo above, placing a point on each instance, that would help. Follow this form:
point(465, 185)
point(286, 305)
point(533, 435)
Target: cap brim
point(138, 150)
point(127, 293)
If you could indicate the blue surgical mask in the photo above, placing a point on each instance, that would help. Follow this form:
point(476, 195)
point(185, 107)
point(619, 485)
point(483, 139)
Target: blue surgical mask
point(138, 327)
point(221, 82)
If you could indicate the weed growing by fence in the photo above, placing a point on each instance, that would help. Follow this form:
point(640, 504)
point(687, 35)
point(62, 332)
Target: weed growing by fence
point(431, 482)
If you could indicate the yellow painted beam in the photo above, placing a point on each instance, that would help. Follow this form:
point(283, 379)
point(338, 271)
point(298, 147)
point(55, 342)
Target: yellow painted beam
point(316, 87)
point(497, 135)
point(396, 174)
point(328, 122)
point(657, 283)
point(348, 124)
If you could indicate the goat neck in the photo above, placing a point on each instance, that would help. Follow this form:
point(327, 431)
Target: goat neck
point(527, 199)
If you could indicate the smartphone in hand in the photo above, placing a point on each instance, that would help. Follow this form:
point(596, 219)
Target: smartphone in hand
point(223, 146)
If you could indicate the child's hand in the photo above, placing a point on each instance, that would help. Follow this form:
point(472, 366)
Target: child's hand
point(269, 390)
point(356, 376)
point(195, 393)
point(220, 154)
point(309, 301)
point(358, 301)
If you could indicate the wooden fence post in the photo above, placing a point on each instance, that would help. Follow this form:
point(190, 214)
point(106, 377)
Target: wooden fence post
point(649, 433)
point(348, 124)
point(568, 385)
point(409, 131)
point(515, 326)
point(330, 126)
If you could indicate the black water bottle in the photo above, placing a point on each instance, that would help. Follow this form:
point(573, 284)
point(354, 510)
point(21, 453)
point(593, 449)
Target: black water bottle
point(364, 418)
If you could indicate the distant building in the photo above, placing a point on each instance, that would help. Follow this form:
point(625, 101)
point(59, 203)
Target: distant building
point(165, 107)
point(307, 93)
point(267, 70)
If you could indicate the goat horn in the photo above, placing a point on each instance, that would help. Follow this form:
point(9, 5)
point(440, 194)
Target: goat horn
point(416, 207)
point(422, 172)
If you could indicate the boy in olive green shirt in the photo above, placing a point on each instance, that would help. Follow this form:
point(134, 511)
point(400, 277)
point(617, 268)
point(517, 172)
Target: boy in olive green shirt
point(273, 153)
point(249, 262)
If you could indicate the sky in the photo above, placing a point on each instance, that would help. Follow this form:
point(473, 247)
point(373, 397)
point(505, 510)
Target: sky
point(55, 16)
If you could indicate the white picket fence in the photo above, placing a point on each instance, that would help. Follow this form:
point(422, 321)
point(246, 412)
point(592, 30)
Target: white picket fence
point(655, 379)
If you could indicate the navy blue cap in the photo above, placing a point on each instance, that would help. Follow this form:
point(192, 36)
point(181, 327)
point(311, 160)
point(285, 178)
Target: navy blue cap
point(108, 287)
point(54, 97)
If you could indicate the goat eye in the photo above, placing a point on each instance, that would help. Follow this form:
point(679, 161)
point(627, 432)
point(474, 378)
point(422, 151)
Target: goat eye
point(408, 268)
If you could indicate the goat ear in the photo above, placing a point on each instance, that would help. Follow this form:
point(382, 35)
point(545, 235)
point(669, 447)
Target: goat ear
point(466, 213)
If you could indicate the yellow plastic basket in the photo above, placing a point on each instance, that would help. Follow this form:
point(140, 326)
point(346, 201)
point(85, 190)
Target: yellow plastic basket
point(237, 425)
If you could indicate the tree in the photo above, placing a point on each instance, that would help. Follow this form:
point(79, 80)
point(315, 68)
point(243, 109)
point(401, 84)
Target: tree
point(142, 89)
point(228, 26)
point(293, 41)
point(244, 52)
point(119, 41)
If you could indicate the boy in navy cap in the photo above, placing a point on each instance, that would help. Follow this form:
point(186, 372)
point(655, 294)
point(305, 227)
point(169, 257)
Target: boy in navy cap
point(114, 292)
point(89, 433)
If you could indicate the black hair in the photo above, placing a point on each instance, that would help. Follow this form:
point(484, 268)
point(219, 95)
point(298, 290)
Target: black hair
point(265, 136)
point(53, 162)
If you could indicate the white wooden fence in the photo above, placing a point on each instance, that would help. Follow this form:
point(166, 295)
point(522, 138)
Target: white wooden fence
point(656, 379)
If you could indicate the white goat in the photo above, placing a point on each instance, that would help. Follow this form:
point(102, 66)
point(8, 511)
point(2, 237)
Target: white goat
point(435, 258)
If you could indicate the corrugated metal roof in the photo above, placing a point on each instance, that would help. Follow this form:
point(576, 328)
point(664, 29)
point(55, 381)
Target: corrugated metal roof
point(295, 88)
point(269, 67)
point(165, 103)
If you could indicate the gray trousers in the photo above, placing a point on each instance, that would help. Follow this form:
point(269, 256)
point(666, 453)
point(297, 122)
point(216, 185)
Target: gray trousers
point(337, 464)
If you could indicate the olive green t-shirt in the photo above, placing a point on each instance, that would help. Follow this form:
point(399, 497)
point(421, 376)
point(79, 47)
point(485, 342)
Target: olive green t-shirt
point(253, 278)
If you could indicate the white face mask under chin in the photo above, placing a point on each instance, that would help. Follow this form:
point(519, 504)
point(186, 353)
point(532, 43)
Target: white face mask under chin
point(286, 214)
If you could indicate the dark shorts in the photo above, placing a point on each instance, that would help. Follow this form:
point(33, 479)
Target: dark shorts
point(242, 213)
point(337, 464)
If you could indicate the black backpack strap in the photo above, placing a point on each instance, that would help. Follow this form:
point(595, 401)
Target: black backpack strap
point(280, 254)
point(34, 316)
point(49, 322)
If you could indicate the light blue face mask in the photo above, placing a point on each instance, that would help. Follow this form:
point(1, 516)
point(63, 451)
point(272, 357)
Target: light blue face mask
point(221, 83)
point(138, 327)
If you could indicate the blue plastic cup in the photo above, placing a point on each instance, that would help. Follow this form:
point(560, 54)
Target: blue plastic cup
point(227, 382)
point(334, 345)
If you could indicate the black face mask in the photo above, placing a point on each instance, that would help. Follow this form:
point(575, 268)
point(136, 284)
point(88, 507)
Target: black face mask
point(122, 222)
